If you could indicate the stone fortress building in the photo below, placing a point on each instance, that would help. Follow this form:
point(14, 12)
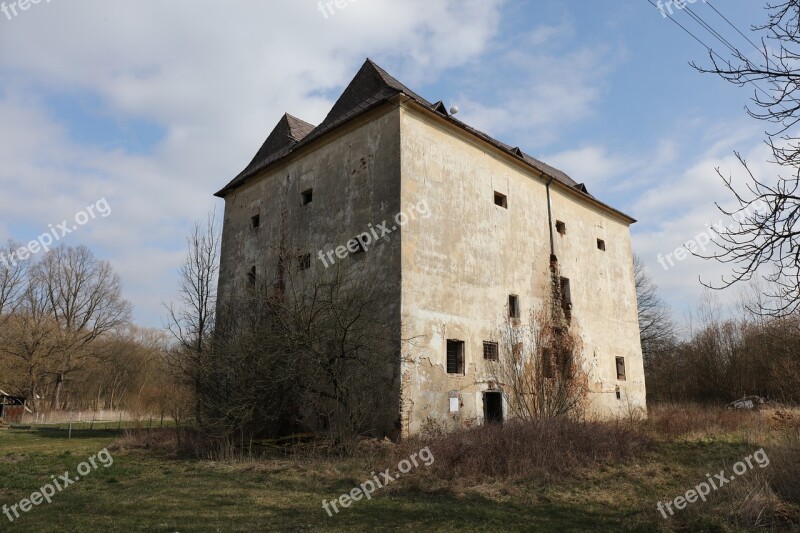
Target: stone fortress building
point(480, 221)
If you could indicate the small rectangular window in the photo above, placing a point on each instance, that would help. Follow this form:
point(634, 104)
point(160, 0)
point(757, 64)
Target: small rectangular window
point(601, 244)
point(561, 228)
point(500, 200)
point(564, 361)
point(547, 363)
point(255, 221)
point(513, 306)
point(251, 275)
point(308, 196)
point(621, 368)
point(304, 262)
point(491, 351)
point(455, 357)
point(566, 298)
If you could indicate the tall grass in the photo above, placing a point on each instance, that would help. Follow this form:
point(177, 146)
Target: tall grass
point(540, 449)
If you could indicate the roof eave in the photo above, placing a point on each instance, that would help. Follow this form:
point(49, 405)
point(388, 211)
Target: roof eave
point(511, 155)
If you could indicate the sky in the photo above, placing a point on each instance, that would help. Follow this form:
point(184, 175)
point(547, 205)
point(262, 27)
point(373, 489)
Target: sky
point(142, 110)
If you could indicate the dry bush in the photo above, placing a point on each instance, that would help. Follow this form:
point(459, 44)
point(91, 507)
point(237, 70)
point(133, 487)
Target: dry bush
point(785, 466)
point(538, 449)
point(762, 499)
point(689, 420)
point(785, 418)
point(539, 368)
point(180, 441)
point(148, 439)
point(749, 503)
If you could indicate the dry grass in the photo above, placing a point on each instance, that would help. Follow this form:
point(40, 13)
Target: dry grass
point(694, 421)
point(625, 466)
point(767, 499)
point(543, 449)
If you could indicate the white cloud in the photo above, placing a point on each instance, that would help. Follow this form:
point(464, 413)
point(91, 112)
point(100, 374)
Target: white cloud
point(215, 76)
point(673, 197)
point(593, 165)
point(682, 207)
point(539, 86)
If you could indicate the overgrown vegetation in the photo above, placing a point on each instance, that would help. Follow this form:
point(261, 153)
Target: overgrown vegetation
point(726, 359)
point(544, 449)
point(557, 474)
point(539, 369)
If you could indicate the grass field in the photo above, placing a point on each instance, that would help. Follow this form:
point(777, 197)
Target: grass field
point(155, 490)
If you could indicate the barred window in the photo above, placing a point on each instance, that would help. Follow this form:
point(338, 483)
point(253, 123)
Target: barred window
point(491, 351)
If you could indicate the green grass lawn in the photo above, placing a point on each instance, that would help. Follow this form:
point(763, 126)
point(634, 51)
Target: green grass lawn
point(149, 491)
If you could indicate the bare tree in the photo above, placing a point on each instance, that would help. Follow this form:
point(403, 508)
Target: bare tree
point(12, 279)
point(191, 321)
point(766, 235)
point(30, 347)
point(539, 369)
point(656, 329)
point(310, 349)
point(70, 300)
point(83, 296)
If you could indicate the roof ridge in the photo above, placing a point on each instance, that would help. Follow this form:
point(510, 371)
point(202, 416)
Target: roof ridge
point(369, 88)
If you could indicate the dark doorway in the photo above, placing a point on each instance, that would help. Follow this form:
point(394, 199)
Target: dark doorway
point(493, 407)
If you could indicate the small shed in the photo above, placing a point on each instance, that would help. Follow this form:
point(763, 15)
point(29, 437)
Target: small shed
point(11, 409)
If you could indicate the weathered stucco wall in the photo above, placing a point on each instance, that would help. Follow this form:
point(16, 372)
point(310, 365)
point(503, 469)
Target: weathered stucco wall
point(355, 176)
point(461, 264)
point(604, 302)
point(451, 271)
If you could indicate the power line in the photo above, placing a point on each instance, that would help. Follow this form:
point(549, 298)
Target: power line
point(695, 37)
point(755, 46)
point(710, 50)
point(733, 26)
point(711, 30)
point(736, 51)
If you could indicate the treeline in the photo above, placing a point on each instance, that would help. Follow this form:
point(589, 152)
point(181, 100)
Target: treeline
point(727, 359)
point(66, 342)
point(720, 359)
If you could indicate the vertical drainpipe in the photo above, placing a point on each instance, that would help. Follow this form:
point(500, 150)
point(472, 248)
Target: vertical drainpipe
point(550, 220)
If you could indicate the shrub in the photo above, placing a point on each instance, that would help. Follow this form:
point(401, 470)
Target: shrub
point(682, 421)
point(540, 449)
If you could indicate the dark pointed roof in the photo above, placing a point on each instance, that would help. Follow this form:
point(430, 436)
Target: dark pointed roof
point(371, 87)
point(287, 133)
